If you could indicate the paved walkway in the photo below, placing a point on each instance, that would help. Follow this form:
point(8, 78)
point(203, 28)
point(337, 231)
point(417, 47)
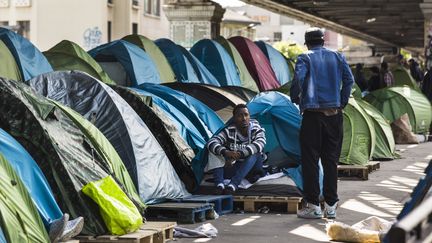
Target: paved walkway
point(382, 195)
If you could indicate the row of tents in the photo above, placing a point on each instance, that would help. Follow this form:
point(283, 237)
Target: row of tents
point(141, 112)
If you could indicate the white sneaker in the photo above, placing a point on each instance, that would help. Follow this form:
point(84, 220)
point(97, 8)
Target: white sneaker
point(330, 211)
point(310, 211)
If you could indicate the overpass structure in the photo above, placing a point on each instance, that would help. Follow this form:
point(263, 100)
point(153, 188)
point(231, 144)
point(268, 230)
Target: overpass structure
point(384, 23)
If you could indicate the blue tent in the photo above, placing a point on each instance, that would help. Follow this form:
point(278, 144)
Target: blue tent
point(184, 125)
point(185, 66)
point(218, 61)
point(204, 118)
point(126, 63)
point(32, 177)
point(277, 61)
point(30, 60)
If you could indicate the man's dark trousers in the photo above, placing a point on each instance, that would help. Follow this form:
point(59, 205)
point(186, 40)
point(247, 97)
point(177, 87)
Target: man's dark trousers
point(320, 137)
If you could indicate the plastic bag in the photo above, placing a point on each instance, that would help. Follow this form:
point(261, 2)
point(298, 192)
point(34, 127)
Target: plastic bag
point(118, 212)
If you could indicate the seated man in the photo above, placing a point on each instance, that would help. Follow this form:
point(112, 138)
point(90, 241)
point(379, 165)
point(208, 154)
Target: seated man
point(241, 144)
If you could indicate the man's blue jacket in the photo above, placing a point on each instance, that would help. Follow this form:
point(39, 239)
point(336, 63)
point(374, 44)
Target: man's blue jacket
point(322, 79)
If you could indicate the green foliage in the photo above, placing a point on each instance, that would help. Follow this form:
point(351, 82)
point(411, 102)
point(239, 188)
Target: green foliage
point(289, 49)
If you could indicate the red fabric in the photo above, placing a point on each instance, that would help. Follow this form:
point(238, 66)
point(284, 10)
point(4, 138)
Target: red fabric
point(256, 62)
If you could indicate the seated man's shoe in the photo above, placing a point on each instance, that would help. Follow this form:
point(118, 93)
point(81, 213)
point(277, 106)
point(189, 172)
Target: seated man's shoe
point(57, 227)
point(72, 229)
point(219, 189)
point(230, 189)
point(330, 211)
point(310, 211)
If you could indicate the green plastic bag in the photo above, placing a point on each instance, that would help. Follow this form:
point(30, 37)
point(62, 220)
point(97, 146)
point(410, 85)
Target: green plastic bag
point(118, 212)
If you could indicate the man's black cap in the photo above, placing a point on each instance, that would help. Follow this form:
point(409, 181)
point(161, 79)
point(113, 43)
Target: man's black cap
point(313, 34)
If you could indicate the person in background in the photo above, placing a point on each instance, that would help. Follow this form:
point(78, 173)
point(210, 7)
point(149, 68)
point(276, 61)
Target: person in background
point(241, 144)
point(416, 71)
point(374, 80)
point(387, 79)
point(321, 86)
point(360, 78)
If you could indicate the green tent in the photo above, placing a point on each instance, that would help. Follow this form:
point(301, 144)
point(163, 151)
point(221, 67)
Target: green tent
point(356, 91)
point(165, 71)
point(67, 55)
point(393, 102)
point(403, 77)
point(109, 155)
point(8, 68)
point(19, 218)
point(385, 144)
point(245, 77)
point(359, 135)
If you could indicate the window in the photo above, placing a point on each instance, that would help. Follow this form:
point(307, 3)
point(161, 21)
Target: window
point(134, 28)
point(277, 36)
point(152, 7)
point(109, 31)
point(135, 3)
point(110, 1)
point(24, 28)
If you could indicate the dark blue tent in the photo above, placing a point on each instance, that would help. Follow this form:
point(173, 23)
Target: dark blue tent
point(277, 61)
point(126, 63)
point(281, 120)
point(204, 118)
point(185, 66)
point(30, 60)
point(184, 125)
point(32, 177)
point(218, 61)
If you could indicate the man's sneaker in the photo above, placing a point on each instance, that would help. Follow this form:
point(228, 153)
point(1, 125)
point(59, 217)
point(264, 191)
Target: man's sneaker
point(330, 211)
point(72, 229)
point(230, 189)
point(310, 211)
point(57, 227)
point(219, 189)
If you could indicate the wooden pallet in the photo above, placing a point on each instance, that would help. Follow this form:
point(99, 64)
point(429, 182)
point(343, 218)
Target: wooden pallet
point(288, 205)
point(222, 204)
point(150, 232)
point(355, 172)
point(187, 213)
point(70, 241)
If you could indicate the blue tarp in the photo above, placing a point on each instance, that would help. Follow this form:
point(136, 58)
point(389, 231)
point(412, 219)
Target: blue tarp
point(218, 61)
point(277, 61)
point(32, 177)
point(137, 64)
point(185, 66)
point(205, 119)
point(186, 127)
point(30, 60)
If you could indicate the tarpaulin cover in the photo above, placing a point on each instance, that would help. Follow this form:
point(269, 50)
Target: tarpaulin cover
point(178, 151)
point(277, 61)
point(165, 71)
point(384, 141)
point(32, 177)
point(358, 135)
point(118, 212)
point(67, 55)
point(147, 163)
point(393, 102)
point(204, 75)
point(19, 218)
point(57, 145)
point(30, 60)
point(8, 68)
point(217, 60)
point(137, 64)
point(246, 79)
point(217, 99)
point(186, 127)
point(209, 122)
point(256, 62)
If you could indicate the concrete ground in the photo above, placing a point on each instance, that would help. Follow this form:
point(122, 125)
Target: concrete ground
point(382, 195)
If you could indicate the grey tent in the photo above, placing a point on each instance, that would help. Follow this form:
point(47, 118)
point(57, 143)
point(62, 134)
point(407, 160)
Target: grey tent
point(146, 161)
point(58, 146)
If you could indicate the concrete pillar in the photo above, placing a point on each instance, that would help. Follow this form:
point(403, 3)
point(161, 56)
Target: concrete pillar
point(192, 20)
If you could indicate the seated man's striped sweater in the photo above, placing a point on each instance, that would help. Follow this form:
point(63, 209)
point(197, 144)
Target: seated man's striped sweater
point(231, 139)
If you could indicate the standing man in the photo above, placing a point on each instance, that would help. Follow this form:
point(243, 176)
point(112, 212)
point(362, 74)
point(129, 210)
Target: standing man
point(321, 86)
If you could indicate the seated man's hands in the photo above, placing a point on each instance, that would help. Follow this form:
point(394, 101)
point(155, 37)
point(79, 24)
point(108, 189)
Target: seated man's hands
point(231, 156)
